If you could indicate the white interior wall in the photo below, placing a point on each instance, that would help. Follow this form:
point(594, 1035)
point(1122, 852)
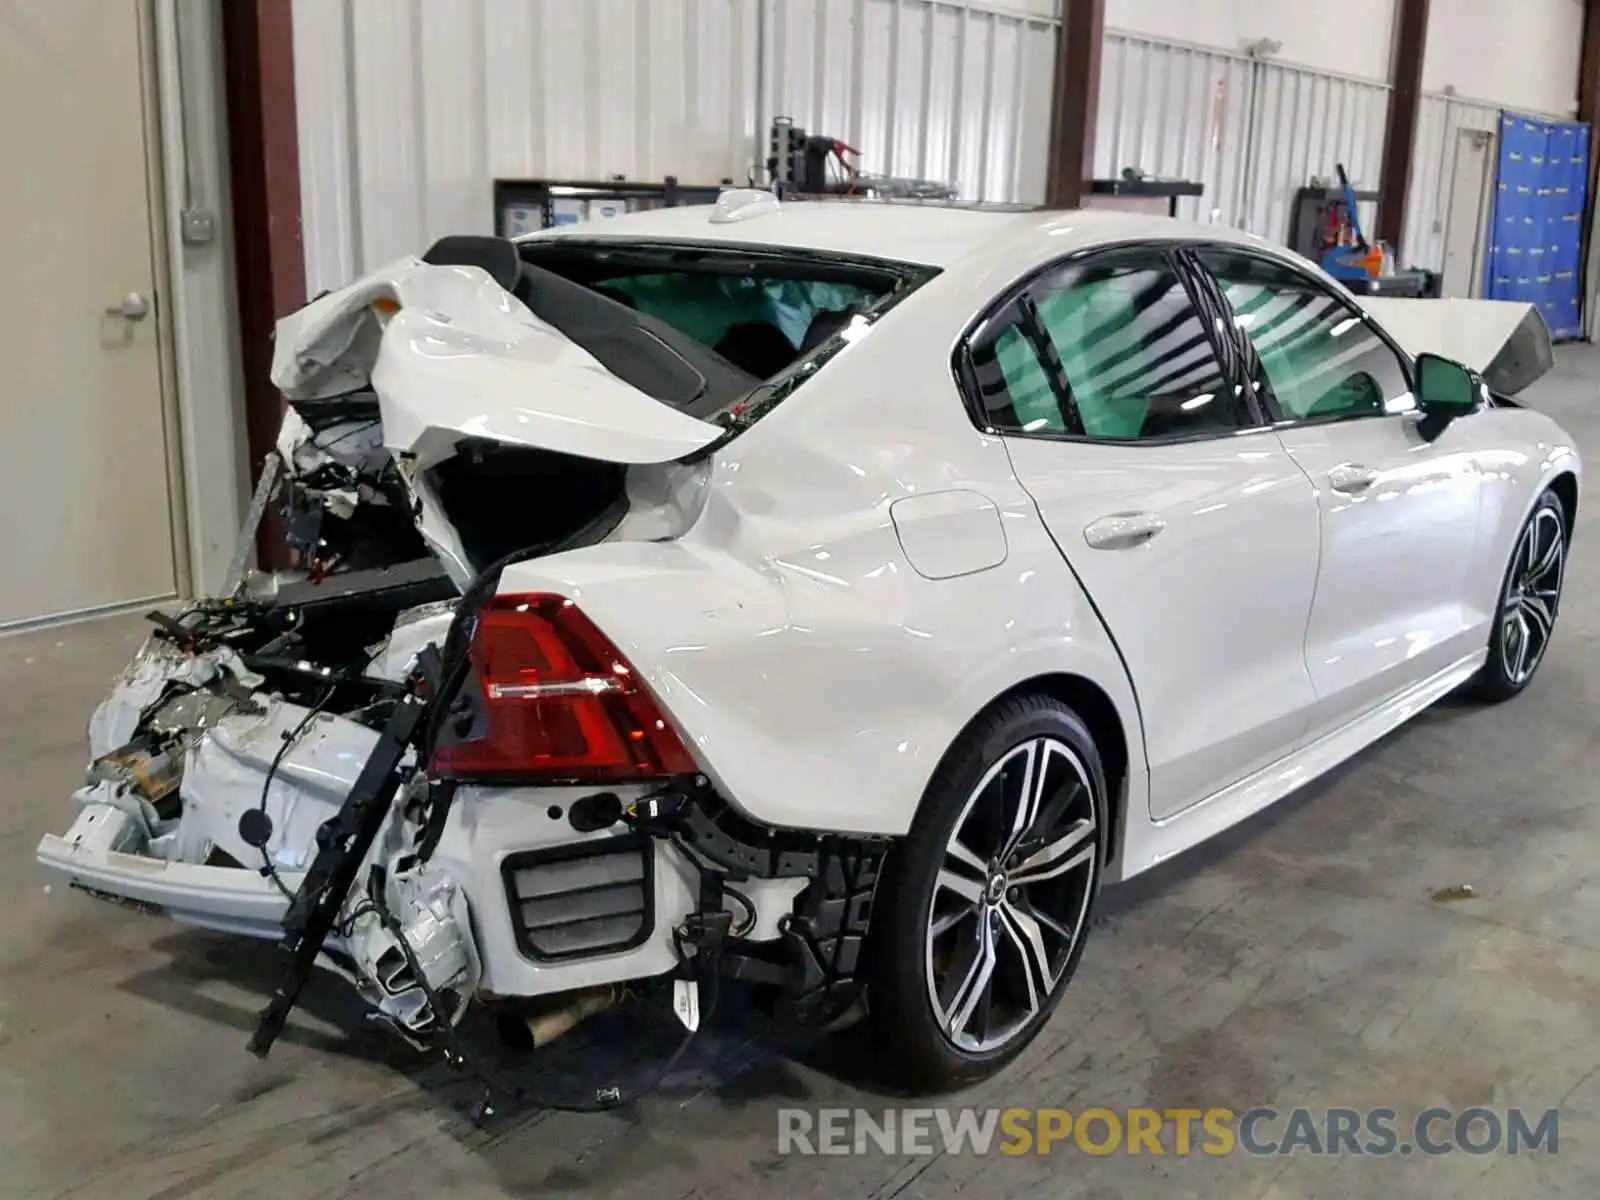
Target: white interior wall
point(958, 93)
point(203, 309)
point(1521, 54)
point(410, 109)
point(1350, 38)
point(1251, 133)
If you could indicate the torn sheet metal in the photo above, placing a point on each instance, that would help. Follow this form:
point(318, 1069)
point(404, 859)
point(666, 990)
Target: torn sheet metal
point(159, 666)
point(451, 354)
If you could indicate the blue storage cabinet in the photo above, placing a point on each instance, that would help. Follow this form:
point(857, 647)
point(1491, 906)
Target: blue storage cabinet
point(1541, 186)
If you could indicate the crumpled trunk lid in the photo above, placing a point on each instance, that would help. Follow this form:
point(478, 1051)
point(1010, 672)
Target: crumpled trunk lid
point(1505, 341)
point(452, 355)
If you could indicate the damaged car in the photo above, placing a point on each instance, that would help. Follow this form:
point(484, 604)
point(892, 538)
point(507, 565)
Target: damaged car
point(828, 594)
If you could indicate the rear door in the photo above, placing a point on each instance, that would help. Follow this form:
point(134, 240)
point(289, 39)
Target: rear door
point(1190, 527)
point(1398, 509)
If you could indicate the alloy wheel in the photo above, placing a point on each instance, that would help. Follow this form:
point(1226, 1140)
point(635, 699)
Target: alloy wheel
point(1012, 895)
point(1533, 592)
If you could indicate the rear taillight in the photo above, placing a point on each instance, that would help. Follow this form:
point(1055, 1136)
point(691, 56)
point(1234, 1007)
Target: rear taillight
point(561, 703)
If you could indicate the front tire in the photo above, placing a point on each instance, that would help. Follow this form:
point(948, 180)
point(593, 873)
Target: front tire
point(983, 910)
point(1530, 596)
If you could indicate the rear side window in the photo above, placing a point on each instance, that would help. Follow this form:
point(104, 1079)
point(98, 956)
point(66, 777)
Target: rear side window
point(1110, 350)
point(1025, 389)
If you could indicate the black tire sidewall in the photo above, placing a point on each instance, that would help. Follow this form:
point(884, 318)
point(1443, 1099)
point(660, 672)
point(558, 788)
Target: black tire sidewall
point(914, 1048)
point(1492, 683)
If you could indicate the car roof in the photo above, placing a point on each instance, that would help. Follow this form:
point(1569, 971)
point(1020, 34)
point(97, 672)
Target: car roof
point(928, 233)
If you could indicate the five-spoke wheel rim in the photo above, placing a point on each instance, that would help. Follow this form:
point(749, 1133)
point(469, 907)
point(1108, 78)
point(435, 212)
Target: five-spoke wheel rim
point(1012, 894)
point(1533, 590)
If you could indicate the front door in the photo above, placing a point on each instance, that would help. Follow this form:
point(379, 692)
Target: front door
point(1398, 511)
point(84, 460)
point(1192, 530)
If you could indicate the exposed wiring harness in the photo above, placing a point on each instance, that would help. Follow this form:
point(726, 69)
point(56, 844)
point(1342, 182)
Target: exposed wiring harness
point(260, 831)
point(742, 930)
point(457, 1056)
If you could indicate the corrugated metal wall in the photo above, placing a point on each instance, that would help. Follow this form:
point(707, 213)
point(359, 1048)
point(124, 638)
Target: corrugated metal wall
point(949, 91)
point(1177, 112)
point(409, 109)
point(1251, 132)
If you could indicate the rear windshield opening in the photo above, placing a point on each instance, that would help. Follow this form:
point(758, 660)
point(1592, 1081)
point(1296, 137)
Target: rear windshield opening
point(703, 328)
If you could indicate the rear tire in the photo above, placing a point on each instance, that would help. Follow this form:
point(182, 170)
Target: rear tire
point(1529, 599)
point(983, 909)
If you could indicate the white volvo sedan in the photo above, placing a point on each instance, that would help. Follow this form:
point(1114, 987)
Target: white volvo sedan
point(829, 594)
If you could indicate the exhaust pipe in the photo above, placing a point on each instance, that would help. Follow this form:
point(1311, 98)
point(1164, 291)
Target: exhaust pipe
point(533, 1031)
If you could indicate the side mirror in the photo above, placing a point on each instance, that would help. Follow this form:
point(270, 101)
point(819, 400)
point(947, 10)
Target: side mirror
point(1445, 388)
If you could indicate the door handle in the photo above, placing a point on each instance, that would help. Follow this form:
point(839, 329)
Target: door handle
point(1352, 477)
point(1119, 531)
point(134, 307)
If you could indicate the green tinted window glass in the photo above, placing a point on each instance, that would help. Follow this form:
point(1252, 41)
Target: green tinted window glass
point(1320, 358)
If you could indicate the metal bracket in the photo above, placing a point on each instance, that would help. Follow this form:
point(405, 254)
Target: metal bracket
point(252, 521)
point(198, 225)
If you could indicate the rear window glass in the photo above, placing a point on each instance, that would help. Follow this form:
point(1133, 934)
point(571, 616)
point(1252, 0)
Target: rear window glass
point(708, 307)
point(721, 332)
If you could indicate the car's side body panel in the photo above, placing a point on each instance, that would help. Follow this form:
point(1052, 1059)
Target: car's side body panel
point(1209, 613)
point(818, 676)
point(1398, 548)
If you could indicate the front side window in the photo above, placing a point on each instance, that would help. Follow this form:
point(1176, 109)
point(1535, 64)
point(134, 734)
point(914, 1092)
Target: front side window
point(1321, 359)
point(1111, 349)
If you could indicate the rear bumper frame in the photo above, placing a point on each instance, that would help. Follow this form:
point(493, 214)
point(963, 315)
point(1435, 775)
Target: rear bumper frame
point(223, 898)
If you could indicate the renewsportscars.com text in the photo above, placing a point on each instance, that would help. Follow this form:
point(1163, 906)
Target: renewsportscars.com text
point(1261, 1131)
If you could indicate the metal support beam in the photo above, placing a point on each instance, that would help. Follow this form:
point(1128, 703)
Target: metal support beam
point(1589, 110)
point(1075, 99)
point(264, 162)
point(1400, 131)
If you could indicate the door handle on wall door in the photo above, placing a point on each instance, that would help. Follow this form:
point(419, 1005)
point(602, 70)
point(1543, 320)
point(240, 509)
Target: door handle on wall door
point(1122, 530)
point(1352, 477)
point(134, 307)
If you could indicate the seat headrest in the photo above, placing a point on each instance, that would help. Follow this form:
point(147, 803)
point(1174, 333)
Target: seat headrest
point(823, 326)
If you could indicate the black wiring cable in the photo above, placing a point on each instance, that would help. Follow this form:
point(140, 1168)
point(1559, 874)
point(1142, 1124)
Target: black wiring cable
point(605, 1098)
point(293, 736)
point(744, 902)
point(346, 435)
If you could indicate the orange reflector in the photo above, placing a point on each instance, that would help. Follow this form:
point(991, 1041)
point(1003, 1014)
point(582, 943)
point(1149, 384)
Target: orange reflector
point(384, 306)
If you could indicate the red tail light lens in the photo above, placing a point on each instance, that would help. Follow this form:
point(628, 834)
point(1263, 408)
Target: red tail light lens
point(562, 703)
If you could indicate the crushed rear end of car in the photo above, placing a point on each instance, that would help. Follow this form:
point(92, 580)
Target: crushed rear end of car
point(436, 789)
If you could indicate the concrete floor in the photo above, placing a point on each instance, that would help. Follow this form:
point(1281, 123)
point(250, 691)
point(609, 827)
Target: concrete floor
point(1302, 960)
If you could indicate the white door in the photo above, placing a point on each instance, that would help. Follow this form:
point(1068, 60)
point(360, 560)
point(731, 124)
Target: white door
point(83, 463)
point(1465, 219)
point(1398, 511)
point(1197, 545)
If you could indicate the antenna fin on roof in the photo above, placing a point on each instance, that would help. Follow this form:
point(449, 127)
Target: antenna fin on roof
point(741, 204)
